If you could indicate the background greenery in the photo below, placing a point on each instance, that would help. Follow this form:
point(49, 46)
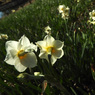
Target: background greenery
point(72, 74)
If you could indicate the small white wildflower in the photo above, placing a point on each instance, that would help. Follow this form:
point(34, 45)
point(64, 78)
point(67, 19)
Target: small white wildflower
point(61, 8)
point(3, 36)
point(92, 15)
point(48, 30)
point(64, 11)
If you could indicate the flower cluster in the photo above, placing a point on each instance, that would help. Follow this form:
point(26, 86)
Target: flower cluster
point(21, 53)
point(64, 11)
point(92, 17)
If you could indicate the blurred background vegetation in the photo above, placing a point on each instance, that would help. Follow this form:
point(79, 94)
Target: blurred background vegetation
point(74, 73)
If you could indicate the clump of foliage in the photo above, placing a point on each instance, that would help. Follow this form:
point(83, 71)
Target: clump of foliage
point(74, 73)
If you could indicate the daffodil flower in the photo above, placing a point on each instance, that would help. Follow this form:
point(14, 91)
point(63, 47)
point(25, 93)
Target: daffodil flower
point(64, 11)
point(50, 46)
point(3, 36)
point(48, 30)
point(61, 8)
point(92, 15)
point(20, 54)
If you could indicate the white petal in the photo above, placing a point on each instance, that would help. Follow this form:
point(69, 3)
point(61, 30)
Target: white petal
point(53, 59)
point(30, 60)
point(13, 53)
point(58, 44)
point(41, 44)
point(30, 48)
point(34, 47)
point(9, 59)
point(19, 66)
point(58, 53)
point(11, 45)
point(43, 55)
point(93, 18)
point(19, 46)
point(24, 41)
point(61, 8)
point(49, 40)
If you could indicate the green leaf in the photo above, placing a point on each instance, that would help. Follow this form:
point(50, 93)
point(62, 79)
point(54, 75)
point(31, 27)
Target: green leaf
point(73, 91)
point(83, 48)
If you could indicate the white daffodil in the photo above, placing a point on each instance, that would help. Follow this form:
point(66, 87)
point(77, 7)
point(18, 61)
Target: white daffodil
point(50, 46)
point(48, 30)
point(92, 22)
point(64, 11)
point(3, 36)
point(61, 8)
point(92, 15)
point(20, 54)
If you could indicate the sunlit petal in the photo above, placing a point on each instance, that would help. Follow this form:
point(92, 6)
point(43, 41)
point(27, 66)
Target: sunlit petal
point(34, 47)
point(11, 45)
point(41, 44)
point(49, 39)
point(19, 46)
point(24, 41)
point(13, 53)
point(9, 59)
point(53, 59)
point(43, 55)
point(30, 48)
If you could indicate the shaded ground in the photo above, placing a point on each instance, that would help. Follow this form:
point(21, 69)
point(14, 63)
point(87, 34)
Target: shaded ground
point(12, 4)
point(9, 6)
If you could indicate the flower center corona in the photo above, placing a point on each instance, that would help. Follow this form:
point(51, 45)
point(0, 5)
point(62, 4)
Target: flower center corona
point(62, 9)
point(50, 50)
point(21, 54)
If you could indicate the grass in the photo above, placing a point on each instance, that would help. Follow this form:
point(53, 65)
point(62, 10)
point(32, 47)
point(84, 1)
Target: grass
point(73, 72)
